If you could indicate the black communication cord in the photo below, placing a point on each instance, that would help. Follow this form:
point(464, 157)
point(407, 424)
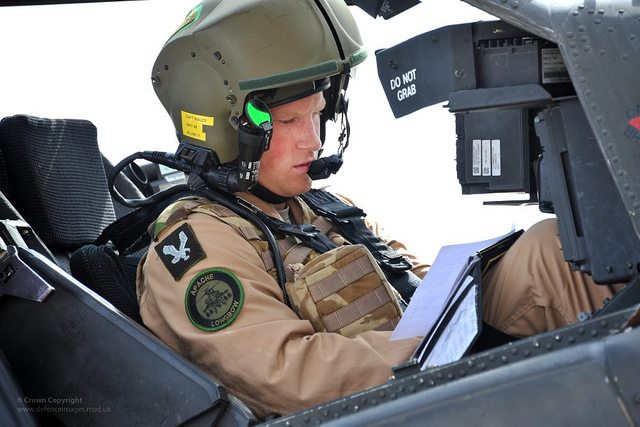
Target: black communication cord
point(202, 187)
point(152, 157)
point(235, 204)
point(217, 182)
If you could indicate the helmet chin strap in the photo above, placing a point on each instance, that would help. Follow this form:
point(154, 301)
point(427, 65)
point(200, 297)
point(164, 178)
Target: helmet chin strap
point(267, 195)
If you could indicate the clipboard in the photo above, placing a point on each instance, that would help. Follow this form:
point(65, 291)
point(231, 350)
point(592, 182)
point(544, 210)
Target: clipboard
point(459, 323)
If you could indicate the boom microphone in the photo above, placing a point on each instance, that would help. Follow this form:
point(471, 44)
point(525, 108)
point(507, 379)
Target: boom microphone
point(325, 166)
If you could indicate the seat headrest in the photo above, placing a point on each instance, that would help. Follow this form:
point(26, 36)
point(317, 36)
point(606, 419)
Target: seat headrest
point(56, 178)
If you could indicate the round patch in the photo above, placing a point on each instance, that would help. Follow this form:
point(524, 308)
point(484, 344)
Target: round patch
point(213, 299)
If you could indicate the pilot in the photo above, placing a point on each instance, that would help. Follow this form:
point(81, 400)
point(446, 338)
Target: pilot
point(209, 287)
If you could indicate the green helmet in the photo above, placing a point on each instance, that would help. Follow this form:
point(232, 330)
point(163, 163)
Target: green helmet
point(228, 51)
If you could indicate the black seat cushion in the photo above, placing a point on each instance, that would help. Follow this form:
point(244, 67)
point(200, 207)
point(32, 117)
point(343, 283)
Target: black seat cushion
point(111, 276)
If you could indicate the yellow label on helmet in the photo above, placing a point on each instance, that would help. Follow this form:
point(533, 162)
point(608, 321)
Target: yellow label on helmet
point(192, 125)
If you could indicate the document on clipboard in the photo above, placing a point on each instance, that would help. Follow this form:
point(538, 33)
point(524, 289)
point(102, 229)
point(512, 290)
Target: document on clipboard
point(445, 309)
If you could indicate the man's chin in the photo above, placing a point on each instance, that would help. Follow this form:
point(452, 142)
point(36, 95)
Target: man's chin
point(303, 187)
point(293, 188)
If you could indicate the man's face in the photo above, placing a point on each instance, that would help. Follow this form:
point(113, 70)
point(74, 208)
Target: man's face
point(294, 145)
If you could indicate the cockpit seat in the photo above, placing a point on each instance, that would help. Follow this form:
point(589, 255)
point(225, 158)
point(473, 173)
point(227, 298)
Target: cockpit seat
point(55, 177)
point(73, 343)
point(56, 180)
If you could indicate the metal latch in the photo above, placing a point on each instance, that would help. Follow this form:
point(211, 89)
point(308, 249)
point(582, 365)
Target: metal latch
point(19, 280)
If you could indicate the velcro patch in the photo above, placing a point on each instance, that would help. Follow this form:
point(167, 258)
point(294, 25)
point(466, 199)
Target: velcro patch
point(180, 250)
point(213, 299)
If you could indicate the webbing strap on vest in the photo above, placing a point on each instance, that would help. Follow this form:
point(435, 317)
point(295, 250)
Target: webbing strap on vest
point(349, 220)
point(308, 234)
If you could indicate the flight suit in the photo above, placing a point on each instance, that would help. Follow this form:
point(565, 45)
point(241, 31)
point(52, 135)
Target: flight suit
point(274, 361)
point(532, 289)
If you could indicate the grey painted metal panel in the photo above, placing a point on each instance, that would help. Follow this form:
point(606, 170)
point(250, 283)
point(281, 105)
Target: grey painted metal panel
point(600, 44)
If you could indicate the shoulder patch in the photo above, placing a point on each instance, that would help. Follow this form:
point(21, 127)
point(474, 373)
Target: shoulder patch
point(213, 299)
point(180, 250)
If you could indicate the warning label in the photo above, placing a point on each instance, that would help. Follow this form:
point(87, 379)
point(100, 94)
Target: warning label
point(404, 85)
point(553, 68)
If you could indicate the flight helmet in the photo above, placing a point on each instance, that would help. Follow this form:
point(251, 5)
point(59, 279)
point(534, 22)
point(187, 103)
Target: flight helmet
point(228, 52)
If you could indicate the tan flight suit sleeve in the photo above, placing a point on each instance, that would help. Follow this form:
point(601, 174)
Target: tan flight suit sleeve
point(267, 357)
point(532, 289)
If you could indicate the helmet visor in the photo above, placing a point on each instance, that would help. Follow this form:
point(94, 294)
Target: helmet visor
point(287, 94)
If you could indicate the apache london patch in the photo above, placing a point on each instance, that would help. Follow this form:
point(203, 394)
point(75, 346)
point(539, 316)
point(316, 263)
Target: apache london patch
point(213, 299)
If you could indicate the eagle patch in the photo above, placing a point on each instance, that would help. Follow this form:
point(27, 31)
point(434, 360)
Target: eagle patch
point(213, 299)
point(180, 250)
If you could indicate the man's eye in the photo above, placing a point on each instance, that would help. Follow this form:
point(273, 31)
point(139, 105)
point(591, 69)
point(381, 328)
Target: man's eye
point(287, 121)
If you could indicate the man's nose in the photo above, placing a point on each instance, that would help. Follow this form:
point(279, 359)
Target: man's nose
point(310, 136)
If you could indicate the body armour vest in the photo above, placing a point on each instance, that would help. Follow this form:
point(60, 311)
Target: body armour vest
point(342, 290)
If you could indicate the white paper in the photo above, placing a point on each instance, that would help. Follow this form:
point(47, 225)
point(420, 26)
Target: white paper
point(431, 297)
point(456, 338)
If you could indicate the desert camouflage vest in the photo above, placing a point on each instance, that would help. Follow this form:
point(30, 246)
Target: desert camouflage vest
point(342, 290)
